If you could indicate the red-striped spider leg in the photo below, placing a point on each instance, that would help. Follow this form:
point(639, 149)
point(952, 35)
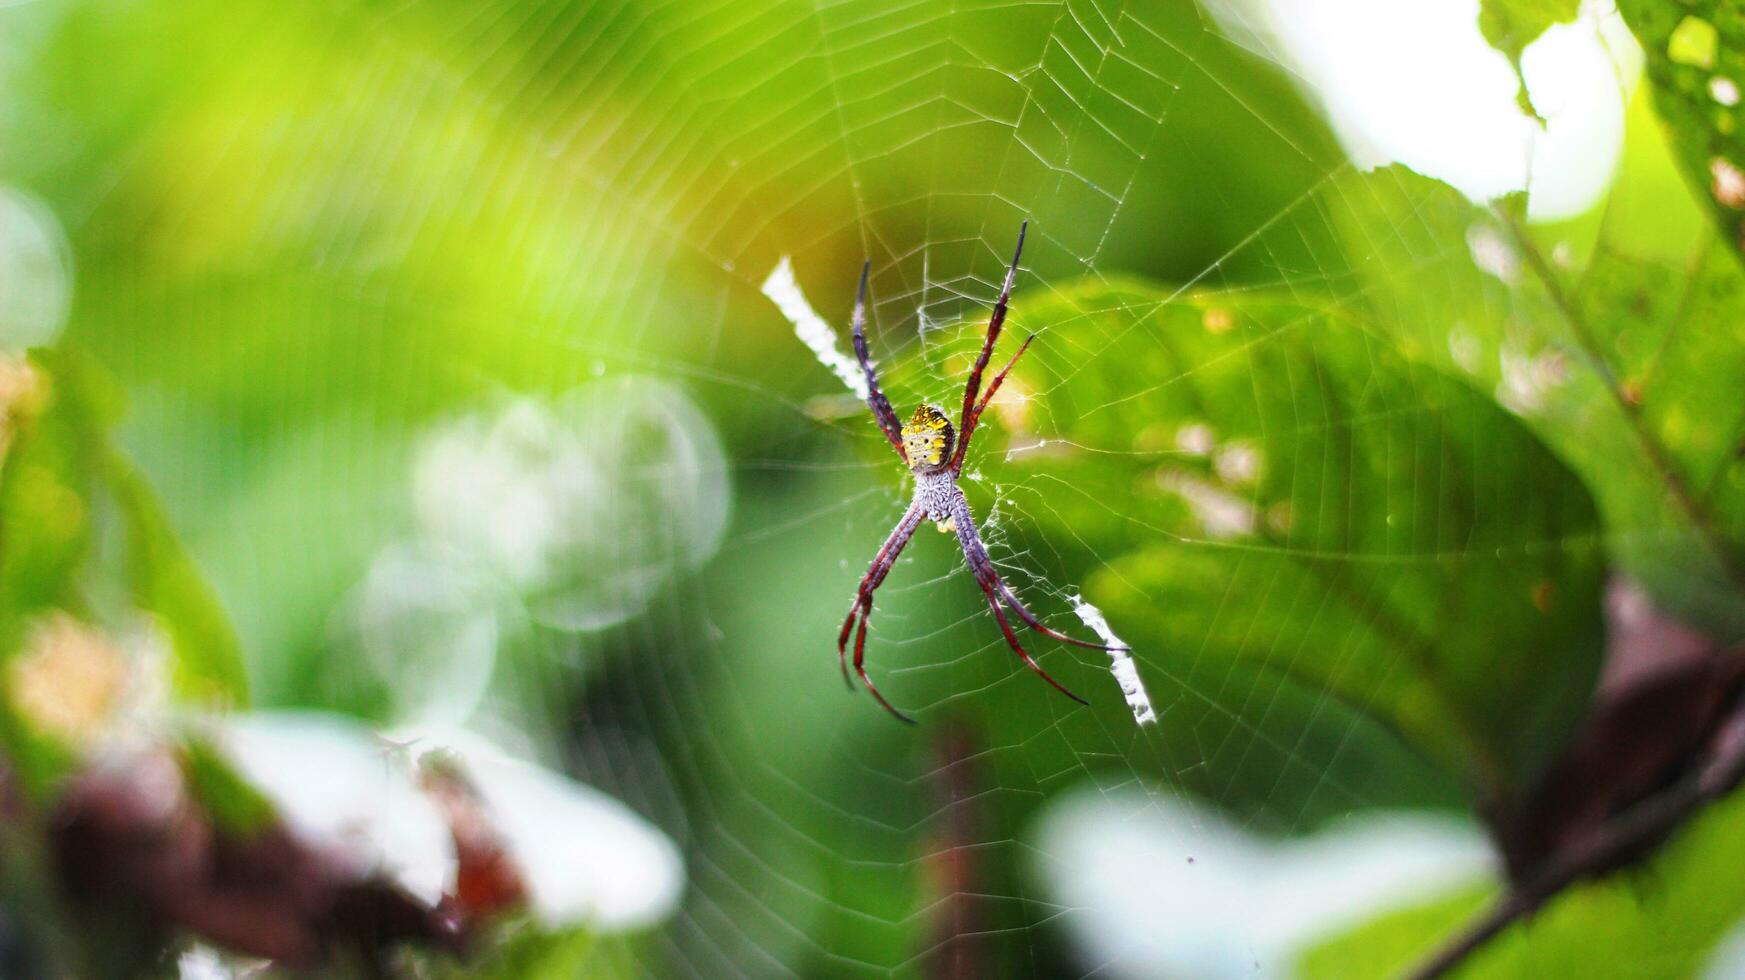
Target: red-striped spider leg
point(863, 601)
point(875, 397)
point(988, 580)
point(981, 406)
point(975, 553)
point(972, 388)
point(1031, 621)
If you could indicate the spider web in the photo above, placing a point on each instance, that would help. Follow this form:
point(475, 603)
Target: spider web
point(496, 237)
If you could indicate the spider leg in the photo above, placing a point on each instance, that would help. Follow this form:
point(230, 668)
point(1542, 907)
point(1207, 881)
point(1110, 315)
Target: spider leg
point(1012, 639)
point(975, 417)
point(859, 659)
point(988, 577)
point(973, 386)
point(1031, 621)
point(883, 414)
point(875, 575)
point(854, 612)
point(976, 555)
point(863, 601)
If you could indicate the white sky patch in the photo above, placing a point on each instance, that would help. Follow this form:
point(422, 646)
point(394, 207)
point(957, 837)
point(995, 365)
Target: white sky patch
point(784, 290)
point(1415, 83)
point(1121, 662)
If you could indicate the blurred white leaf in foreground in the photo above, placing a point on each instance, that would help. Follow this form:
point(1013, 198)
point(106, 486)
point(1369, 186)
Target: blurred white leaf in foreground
point(203, 963)
point(1727, 962)
point(342, 789)
point(584, 857)
point(1156, 886)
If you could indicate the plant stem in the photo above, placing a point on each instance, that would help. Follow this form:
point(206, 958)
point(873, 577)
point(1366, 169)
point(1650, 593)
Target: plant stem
point(1615, 844)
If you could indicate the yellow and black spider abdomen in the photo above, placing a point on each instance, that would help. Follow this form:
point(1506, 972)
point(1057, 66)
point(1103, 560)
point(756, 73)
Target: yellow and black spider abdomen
point(927, 439)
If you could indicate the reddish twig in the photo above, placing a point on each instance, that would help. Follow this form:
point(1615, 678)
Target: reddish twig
point(1628, 837)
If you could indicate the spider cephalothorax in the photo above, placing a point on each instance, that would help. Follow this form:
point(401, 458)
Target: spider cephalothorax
point(927, 440)
point(934, 453)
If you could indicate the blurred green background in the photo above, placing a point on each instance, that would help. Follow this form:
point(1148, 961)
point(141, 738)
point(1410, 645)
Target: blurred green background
point(440, 333)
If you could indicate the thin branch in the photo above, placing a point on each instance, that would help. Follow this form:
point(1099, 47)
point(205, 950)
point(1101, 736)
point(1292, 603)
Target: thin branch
point(1628, 836)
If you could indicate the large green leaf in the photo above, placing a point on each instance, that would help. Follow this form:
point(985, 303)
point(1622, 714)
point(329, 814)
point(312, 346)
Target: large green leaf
point(1286, 492)
point(1624, 354)
point(1616, 339)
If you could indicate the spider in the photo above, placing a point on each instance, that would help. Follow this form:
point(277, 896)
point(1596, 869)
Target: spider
point(934, 454)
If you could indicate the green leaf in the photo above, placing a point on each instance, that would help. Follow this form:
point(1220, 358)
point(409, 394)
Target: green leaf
point(1624, 354)
point(1390, 943)
point(45, 534)
point(207, 661)
point(1292, 495)
point(62, 488)
point(161, 579)
point(1511, 25)
point(45, 486)
point(521, 950)
point(1695, 59)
